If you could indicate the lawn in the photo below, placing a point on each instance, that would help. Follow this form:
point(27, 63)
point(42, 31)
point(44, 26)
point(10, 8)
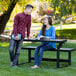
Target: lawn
point(47, 68)
point(66, 26)
point(37, 26)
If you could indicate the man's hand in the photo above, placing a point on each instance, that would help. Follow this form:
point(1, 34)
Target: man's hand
point(28, 37)
point(16, 38)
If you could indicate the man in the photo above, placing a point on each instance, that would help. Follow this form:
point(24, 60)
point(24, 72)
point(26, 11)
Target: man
point(22, 21)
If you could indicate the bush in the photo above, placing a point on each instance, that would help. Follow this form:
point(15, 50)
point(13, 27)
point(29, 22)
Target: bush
point(66, 34)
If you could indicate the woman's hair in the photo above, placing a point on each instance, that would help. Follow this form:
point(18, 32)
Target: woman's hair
point(44, 26)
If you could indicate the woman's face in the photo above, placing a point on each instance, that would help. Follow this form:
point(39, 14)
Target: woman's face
point(46, 21)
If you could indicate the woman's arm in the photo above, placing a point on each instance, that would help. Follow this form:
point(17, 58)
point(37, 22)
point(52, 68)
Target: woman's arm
point(39, 35)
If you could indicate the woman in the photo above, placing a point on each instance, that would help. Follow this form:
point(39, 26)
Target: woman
point(48, 32)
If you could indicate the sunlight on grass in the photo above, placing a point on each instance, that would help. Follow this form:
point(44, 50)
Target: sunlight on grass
point(3, 44)
point(57, 27)
point(36, 24)
point(9, 24)
point(66, 26)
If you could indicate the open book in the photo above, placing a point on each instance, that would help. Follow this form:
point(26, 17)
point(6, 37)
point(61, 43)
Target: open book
point(42, 38)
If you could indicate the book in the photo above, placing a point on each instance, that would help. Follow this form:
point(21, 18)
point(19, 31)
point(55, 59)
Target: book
point(42, 38)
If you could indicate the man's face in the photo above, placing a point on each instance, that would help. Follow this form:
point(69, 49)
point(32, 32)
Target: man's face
point(29, 10)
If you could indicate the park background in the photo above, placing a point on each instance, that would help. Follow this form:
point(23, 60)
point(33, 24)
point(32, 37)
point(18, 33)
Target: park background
point(63, 13)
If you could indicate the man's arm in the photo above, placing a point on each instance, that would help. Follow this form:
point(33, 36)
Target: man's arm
point(16, 19)
point(28, 27)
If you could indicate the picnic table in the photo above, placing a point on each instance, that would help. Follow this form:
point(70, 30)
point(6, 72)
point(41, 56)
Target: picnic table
point(58, 49)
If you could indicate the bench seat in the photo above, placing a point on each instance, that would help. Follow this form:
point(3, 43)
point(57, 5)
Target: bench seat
point(68, 50)
point(61, 49)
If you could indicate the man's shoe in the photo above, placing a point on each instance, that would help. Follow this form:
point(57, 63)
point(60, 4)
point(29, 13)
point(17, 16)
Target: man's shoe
point(15, 66)
point(11, 64)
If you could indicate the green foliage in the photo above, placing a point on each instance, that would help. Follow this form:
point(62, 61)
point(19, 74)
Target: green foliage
point(66, 33)
point(5, 4)
point(64, 7)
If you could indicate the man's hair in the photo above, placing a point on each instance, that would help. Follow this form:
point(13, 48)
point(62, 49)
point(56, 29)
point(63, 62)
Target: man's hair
point(29, 6)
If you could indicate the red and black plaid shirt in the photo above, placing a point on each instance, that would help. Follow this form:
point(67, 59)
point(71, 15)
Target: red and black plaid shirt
point(21, 22)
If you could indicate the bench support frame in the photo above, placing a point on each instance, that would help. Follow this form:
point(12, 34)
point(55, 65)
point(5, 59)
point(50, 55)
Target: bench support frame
point(49, 59)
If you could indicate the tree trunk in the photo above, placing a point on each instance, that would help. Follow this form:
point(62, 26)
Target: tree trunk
point(6, 15)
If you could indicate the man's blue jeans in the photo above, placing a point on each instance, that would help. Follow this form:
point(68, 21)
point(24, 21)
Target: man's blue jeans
point(39, 53)
point(14, 50)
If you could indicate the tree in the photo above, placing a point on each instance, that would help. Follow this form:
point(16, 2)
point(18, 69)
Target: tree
point(6, 7)
point(6, 14)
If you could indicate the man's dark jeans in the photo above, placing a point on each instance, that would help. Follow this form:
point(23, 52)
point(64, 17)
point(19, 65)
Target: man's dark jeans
point(14, 50)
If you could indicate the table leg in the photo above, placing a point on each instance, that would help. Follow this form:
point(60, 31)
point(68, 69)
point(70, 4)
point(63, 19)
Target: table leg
point(58, 54)
point(69, 58)
point(29, 55)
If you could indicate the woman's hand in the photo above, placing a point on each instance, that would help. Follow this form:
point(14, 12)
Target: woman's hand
point(41, 36)
point(47, 37)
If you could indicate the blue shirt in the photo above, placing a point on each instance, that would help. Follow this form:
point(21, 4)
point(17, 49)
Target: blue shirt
point(49, 33)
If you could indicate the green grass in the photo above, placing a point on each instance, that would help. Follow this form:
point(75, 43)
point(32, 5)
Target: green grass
point(47, 68)
point(66, 33)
